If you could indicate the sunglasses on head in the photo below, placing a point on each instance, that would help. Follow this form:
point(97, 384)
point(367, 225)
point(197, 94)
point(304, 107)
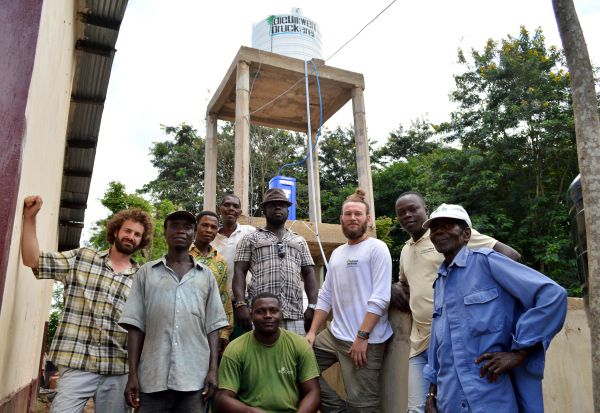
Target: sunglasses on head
point(280, 249)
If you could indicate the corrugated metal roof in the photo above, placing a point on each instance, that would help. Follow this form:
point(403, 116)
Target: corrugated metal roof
point(100, 20)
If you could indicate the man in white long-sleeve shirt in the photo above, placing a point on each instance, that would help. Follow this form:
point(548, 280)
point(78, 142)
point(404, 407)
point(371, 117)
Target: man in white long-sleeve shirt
point(357, 290)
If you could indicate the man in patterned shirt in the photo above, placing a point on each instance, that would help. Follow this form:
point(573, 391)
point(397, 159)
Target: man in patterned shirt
point(277, 258)
point(207, 227)
point(90, 348)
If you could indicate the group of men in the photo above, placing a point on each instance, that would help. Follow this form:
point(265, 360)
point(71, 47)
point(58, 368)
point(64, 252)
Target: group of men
point(221, 315)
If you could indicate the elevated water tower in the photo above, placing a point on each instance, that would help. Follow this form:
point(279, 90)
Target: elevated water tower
point(278, 100)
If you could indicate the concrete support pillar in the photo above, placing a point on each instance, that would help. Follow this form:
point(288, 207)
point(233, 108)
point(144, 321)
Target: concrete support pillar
point(320, 274)
point(241, 171)
point(314, 205)
point(363, 161)
point(210, 164)
point(394, 375)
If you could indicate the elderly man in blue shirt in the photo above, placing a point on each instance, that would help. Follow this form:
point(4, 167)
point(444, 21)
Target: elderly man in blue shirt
point(493, 320)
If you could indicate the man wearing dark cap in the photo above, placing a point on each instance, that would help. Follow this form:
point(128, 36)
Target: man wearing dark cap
point(279, 260)
point(173, 315)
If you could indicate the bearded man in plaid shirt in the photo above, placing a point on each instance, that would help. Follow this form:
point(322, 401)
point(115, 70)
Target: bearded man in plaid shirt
point(90, 348)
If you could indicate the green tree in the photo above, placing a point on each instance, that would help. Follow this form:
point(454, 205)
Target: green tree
point(419, 139)
point(270, 150)
point(180, 164)
point(507, 153)
point(515, 118)
point(337, 171)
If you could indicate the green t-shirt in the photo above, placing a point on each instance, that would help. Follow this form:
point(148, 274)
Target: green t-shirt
point(268, 377)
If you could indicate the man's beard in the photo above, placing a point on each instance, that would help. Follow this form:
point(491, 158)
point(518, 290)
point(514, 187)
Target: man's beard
point(125, 249)
point(353, 234)
point(277, 221)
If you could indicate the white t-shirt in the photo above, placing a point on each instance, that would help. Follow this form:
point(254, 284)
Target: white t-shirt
point(226, 247)
point(358, 281)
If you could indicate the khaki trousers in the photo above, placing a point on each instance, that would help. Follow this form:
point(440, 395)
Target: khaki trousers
point(76, 387)
point(362, 385)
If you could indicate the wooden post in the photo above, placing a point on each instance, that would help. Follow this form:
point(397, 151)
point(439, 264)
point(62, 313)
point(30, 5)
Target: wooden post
point(210, 164)
point(363, 161)
point(241, 170)
point(312, 206)
point(587, 132)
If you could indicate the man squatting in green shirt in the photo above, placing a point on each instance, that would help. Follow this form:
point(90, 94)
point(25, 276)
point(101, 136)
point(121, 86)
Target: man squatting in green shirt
point(268, 369)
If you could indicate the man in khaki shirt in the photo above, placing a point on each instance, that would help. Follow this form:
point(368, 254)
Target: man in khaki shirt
point(419, 264)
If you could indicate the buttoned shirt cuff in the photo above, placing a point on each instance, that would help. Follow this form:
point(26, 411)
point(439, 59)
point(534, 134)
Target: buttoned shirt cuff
point(536, 360)
point(518, 345)
point(430, 374)
point(125, 321)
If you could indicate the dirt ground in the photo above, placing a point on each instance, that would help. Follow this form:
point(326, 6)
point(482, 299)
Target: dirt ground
point(43, 405)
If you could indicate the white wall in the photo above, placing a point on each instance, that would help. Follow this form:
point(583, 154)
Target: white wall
point(26, 300)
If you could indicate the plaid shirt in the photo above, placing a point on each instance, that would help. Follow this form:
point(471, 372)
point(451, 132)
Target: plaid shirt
point(280, 276)
point(88, 336)
point(218, 265)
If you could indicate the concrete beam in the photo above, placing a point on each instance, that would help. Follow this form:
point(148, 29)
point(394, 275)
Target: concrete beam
point(241, 172)
point(210, 164)
point(363, 160)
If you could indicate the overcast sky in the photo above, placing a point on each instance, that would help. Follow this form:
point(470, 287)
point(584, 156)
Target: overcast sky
point(172, 55)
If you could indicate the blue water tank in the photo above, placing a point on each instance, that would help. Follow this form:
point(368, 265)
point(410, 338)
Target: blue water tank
point(288, 185)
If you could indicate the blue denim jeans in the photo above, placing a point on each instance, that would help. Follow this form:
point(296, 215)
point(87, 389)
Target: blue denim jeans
point(417, 385)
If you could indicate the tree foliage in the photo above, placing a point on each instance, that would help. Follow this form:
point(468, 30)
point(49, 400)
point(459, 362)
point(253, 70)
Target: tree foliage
point(506, 153)
point(511, 156)
point(515, 123)
point(337, 171)
point(179, 162)
point(419, 139)
point(270, 150)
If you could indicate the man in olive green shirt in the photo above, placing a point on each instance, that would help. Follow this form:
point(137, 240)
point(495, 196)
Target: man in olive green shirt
point(268, 369)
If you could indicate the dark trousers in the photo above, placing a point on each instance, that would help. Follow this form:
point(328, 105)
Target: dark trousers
point(172, 401)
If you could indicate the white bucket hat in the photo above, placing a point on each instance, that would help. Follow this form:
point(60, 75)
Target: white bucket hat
point(448, 211)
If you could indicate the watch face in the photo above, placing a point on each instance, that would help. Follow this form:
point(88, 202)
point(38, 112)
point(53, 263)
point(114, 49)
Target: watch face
point(363, 334)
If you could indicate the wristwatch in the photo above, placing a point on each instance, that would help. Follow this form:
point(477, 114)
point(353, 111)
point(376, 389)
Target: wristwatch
point(312, 306)
point(238, 304)
point(363, 334)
